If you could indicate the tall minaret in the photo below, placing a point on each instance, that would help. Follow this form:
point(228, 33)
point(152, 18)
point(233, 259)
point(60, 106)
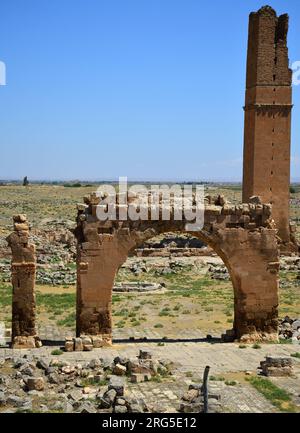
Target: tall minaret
point(268, 106)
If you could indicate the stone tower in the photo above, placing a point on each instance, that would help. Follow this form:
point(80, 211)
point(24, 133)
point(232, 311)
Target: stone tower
point(268, 106)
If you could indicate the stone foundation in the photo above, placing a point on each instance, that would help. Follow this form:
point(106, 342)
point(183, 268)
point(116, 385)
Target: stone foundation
point(86, 343)
point(277, 366)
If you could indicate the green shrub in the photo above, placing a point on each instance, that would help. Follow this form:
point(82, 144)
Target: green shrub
point(256, 346)
point(57, 352)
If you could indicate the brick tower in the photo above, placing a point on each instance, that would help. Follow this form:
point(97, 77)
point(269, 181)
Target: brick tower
point(268, 106)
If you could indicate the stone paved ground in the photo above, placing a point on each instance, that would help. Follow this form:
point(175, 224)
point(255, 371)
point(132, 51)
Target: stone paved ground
point(54, 333)
point(190, 358)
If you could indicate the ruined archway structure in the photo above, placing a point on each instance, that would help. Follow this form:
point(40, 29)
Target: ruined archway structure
point(243, 236)
point(247, 237)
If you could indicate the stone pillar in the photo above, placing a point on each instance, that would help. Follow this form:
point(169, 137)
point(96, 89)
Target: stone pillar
point(96, 271)
point(252, 258)
point(23, 268)
point(100, 252)
point(268, 106)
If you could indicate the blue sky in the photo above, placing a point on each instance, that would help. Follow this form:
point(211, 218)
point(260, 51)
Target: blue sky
point(149, 89)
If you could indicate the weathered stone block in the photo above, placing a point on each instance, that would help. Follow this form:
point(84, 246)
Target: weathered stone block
point(35, 383)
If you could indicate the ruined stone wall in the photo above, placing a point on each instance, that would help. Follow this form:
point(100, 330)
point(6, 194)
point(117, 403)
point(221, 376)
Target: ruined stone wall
point(268, 105)
point(23, 268)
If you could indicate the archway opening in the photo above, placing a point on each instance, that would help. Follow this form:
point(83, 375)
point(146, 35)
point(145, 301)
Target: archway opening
point(172, 287)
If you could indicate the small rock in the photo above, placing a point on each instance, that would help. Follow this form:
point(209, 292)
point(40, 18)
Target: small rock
point(14, 400)
point(69, 346)
point(28, 371)
point(144, 354)
point(296, 325)
point(110, 395)
point(78, 346)
point(119, 370)
point(106, 363)
point(87, 408)
point(87, 347)
point(2, 398)
point(94, 363)
point(75, 395)
point(50, 370)
point(19, 362)
point(35, 383)
point(97, 341)
point(87, 390)
point(104, 403)
point(190, 395)
point(120, 409)
point(191, 407)
point(117, 383)
point(121, 360)
point(68, 369)
point(41, 364)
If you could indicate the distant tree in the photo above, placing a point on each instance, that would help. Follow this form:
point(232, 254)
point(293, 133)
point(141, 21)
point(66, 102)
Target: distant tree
point(292, 189)
point(25, 181)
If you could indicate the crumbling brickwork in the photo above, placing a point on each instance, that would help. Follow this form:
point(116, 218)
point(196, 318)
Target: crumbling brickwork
point(243, 236)
point(23, 281)
point(268, 105)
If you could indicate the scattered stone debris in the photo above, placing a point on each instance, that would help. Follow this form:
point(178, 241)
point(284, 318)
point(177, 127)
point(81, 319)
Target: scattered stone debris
point(137, 287)
point(142, 368)
point(290, 264)
point(290, 329)
point(218, 272)
point(50, 384)
point(277, 366)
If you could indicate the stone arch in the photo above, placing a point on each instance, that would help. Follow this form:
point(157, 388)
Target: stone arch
point(242, 236)
point(208, 239)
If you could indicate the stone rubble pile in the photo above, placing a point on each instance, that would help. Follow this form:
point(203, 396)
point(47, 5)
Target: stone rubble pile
point(141, 287)
point(54, 385)
point(218, 272)
point(142, 368)
point(52, 274)
point(276, 366)
point(56, 275)
point(54, 241)
point(290, 264)
point(290, 329)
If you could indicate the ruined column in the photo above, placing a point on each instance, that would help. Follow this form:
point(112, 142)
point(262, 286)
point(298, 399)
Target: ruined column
point(253, 260)
point(23, 269)
point(246, 239)
point(268, 106)
point(101, 249)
